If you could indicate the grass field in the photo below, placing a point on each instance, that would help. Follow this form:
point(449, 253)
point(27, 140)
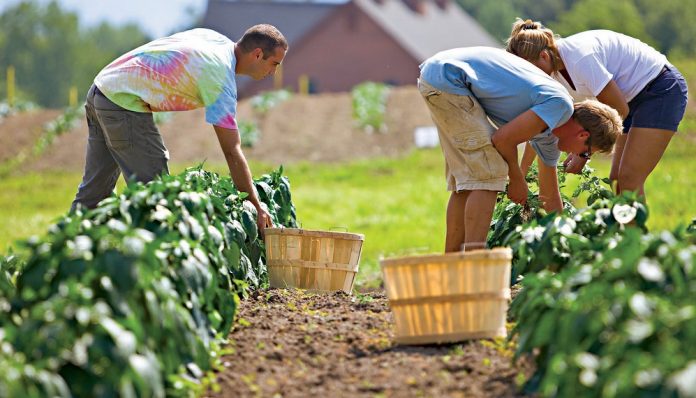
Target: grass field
point(399, 204)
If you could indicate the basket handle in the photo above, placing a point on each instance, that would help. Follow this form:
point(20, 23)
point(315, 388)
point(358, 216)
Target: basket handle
point(470, 246)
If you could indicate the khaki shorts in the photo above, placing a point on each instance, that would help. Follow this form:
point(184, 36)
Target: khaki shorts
point(471, 161)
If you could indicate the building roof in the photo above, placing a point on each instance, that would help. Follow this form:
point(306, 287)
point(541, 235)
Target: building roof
point(293, 18)
point(437, 27)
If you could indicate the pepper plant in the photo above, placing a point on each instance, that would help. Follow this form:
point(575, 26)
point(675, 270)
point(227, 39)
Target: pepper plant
point(369, 106)
point(135, 297)
point(619, 323)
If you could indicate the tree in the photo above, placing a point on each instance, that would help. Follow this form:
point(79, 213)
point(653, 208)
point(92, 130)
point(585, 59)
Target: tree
point(496, 16)
point(101, 45)
point(51, 53)
point(618, 15)
point(544, 11)
point(40, 43)
point(671, 25)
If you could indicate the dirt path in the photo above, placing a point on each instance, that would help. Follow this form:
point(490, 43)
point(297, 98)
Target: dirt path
point(20, 131)
point(293, 344)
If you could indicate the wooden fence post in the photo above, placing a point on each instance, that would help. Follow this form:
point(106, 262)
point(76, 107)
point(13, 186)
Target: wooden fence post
point(72, 97)
point(303, 85)
point(10, 86)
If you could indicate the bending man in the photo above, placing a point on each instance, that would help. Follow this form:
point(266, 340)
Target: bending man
point(188, 70)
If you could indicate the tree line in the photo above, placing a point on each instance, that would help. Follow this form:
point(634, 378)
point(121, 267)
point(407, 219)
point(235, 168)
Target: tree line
point(667, 25)
point(51, 52)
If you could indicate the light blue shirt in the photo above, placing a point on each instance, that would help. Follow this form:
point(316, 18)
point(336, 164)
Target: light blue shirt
point(506, 86)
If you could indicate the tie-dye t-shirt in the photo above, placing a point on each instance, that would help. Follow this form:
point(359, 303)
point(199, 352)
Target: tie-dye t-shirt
point(188, 70)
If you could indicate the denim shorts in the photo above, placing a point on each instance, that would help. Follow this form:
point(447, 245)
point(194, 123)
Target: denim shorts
point(661, 104)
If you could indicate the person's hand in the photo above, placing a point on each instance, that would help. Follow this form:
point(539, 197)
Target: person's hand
point(574, 164)
point(263, 221)
point(517, 191)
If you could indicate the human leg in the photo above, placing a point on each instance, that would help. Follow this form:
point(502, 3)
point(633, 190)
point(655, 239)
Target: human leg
point(101, 171)
point(469, 215)
point(643, 150)
point(655, 114)
point(456, 221)
point(479, 212)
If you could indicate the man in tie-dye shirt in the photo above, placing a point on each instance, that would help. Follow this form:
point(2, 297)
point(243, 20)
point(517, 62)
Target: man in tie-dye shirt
point(185, 71)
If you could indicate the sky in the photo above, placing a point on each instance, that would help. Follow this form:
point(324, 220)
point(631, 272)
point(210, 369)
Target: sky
point(155, 17)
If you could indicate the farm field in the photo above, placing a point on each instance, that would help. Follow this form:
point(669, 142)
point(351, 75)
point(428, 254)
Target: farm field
point(164, 289)
point(296, 344)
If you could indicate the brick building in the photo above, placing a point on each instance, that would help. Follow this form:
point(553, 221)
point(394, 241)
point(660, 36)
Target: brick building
point(340, 44)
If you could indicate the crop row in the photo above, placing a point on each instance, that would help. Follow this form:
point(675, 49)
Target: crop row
point(369, 102)
point(606, 307)
point(135, 297)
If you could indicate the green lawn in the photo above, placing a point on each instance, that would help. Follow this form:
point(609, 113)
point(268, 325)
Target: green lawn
point(399, 204)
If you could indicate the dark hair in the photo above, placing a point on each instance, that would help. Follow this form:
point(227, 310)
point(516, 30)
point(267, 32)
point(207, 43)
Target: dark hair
point(263, 36)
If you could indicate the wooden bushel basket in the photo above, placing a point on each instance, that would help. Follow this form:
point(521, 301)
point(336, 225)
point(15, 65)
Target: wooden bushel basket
point(313, 260)
point(448, 298)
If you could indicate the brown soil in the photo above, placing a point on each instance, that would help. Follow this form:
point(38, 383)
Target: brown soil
point(316, 128)
point(293, 344)
point(20, 131)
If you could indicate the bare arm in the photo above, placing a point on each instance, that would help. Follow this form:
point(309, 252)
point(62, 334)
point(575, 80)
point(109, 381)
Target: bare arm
point(574, 163)
point(231, 146)
point(549, 192)
point(506, 139)
point(527, 158)
point(612, 96)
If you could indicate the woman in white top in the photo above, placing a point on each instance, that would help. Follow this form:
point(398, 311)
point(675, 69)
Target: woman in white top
point(648, 92)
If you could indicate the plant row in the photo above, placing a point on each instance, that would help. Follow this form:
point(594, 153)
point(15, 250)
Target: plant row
point(369, 101)
point(19, 106)
point(606, 308)
point(135, 297)
point(63, 123)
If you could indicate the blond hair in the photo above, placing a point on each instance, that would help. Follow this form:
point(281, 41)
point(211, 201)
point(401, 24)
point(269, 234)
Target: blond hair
point(528, 39)
point(600, 120)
